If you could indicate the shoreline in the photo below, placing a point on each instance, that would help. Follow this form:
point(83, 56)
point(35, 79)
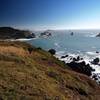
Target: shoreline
point(68, 58)
point(21, 39)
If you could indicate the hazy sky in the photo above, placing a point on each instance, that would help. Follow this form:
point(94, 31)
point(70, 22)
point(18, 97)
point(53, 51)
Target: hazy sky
point(50, 14)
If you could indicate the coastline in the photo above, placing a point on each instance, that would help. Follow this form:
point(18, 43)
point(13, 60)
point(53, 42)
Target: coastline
point(21, 39)
point(69, 58)
point(35, 74)
point(57, 44)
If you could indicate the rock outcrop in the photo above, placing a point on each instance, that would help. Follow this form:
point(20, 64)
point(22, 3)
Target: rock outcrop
point(46, 33)
point(98, 35)
point(81, 67)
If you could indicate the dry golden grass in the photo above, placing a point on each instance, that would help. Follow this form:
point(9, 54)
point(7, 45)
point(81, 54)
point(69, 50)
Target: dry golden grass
point(40, 76)
point(12, 51)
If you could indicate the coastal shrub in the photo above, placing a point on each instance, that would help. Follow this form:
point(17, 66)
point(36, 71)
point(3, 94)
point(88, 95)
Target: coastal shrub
point(30, 49)
point(39, 48)
point(52, 51)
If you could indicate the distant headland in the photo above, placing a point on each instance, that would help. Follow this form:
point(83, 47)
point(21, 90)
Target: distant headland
point(12, 33)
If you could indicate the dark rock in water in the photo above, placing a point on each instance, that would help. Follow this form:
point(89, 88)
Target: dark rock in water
point(71, 58)
point(81, 58)
point(46, 33)
point(81, 67)
point(95, 61)
point(74, 59)
point(71, 33)
point(78, 58)
point(95, 77)
point(64, 56)
point(97, 52)
point(98, 35)
point(52, 51)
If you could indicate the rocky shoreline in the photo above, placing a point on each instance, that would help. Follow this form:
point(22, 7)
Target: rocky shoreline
point(79, 64)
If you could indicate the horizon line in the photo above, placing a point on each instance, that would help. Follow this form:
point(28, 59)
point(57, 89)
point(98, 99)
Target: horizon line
point(37, 29)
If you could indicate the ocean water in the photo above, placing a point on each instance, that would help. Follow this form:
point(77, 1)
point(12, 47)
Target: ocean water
point(83, 43)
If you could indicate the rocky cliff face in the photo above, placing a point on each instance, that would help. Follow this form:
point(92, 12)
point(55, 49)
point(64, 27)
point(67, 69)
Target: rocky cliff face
point(29, 73)
point(11, 33)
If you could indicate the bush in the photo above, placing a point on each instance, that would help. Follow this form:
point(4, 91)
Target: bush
point(39, 48)
point(30, 49)
point(52, 51)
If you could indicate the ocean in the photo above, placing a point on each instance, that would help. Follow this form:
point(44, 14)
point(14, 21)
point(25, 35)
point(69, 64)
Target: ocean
point(83, 43)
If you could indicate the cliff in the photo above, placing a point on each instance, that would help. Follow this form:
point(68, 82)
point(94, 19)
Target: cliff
point(29, 73)
point(11, 33)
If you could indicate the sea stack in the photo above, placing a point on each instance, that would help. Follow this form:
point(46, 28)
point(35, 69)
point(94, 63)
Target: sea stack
point(98, 35)
point(71, 33)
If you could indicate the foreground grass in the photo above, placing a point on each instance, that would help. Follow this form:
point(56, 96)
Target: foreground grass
point(40, 76)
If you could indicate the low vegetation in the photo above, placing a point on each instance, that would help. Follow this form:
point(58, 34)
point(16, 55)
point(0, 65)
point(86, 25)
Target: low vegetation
point(29, 73)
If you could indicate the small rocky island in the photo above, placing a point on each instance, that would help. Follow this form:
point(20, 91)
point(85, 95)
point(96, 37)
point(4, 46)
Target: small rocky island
point(71, 33)
point(45, 34)
point(11, 33)
point(98, 35)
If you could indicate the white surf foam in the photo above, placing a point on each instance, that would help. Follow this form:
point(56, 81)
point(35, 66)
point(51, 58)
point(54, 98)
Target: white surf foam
point(91, 35)
point(57, 44)
point(86, 57)
point(92, 53)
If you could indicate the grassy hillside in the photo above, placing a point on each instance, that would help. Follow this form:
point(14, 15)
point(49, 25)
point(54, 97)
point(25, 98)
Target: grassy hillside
point(37, 75)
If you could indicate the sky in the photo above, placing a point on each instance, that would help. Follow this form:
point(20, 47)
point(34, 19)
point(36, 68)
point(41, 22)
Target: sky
point(50, 14)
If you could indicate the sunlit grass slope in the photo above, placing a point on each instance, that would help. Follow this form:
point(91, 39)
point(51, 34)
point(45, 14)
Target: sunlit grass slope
point(37, 75)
